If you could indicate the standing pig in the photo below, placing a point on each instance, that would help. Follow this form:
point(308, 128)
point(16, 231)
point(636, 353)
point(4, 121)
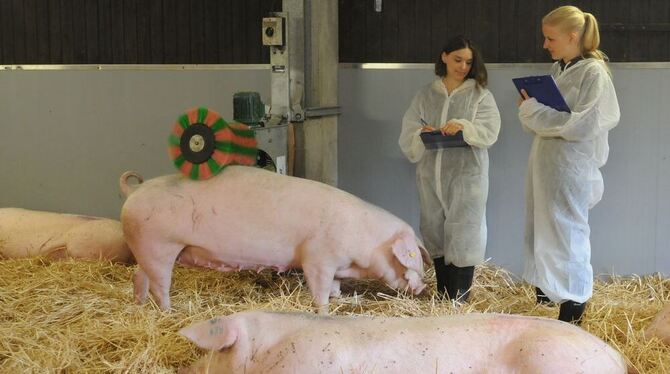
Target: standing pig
point(27, 233)
point(262, 342)
point(660, 327)
point(248, 218)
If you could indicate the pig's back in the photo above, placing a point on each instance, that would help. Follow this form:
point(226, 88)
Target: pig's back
point(301, 208)
point(247, 188)
point(485, 342)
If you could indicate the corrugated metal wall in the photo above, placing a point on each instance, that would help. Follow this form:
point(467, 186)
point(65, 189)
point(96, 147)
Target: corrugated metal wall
point(506, 30)
point(133, 31)
point(228, 31)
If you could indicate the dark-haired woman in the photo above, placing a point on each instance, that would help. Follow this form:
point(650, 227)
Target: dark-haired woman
point(453, 182)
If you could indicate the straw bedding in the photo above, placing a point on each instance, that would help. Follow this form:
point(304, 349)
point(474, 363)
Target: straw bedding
point(80, 317)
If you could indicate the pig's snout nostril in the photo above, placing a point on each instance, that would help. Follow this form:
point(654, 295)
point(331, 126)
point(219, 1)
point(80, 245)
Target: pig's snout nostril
point(419, 289)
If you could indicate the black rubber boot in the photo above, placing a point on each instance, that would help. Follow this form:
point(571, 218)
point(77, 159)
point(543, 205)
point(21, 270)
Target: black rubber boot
point(541, 298)
point(572, 312)
point(460, 282)
point(440, 276)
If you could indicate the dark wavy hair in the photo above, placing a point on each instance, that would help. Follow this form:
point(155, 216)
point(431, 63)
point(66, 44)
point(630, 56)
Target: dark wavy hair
point(477, 70)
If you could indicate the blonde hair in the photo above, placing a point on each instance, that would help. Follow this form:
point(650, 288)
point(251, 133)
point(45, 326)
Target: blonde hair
point(571, 19)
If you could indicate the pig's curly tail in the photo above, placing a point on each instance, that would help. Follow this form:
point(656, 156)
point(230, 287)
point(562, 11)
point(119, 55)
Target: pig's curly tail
point(126, 188)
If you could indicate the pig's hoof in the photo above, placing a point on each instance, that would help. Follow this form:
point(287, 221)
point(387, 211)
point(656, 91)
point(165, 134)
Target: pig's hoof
point(139, 300)
point(322, 310)
point(165, 306)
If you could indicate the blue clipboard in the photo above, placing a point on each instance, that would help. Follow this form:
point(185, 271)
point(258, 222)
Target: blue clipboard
point(435, 140)
point(543, 88)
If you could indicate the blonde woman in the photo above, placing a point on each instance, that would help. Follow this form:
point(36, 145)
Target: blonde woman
point(564, 181)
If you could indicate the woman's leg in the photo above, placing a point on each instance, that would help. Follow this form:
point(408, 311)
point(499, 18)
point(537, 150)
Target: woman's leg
point(561, 251)
point(460, 282)
point(441, 276)
point(431, 226)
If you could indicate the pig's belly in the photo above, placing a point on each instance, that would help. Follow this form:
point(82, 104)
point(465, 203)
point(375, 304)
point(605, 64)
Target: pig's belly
point(30, 243)
point(227, 250)
point(25, 233)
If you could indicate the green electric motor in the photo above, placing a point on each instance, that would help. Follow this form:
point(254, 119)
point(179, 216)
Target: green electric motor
point(248, 108)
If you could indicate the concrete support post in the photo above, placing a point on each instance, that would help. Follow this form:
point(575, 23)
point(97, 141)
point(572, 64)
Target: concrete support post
point(317, 137)
point(322, 59)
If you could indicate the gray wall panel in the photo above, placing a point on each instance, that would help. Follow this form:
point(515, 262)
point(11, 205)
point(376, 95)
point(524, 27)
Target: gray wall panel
point(662, 102)
point(66, 136)
point(629, 226)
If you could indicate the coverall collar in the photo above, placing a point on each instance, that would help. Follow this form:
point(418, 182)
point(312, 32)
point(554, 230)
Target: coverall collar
point(566, 65)
point(440, 87)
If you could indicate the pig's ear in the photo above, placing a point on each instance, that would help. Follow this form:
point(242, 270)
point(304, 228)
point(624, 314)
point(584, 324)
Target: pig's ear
point(407, 252)
point(214, 334)
point(425, 255)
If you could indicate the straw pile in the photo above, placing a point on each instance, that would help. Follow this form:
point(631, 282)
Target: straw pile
point(79, 316)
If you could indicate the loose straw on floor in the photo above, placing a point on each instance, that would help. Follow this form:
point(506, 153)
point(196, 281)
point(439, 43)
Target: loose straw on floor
point(77, 317)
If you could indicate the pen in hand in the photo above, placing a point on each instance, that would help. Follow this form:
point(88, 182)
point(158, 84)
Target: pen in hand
point(425, 127)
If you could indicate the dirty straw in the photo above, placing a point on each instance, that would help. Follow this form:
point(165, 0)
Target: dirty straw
point(76, 317)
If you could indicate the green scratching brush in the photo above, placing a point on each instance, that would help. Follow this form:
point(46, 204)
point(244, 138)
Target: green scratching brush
point(202, 144)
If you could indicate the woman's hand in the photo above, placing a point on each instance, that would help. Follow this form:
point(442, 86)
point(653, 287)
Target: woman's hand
point(451, 128)
point(427, 129)
point(524, 98)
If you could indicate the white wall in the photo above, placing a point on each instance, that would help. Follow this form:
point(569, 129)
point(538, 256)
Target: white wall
point(630, 226)
point(66, 136)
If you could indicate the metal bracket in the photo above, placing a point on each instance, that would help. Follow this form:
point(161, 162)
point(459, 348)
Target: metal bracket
point(378, 6)
point(323, 111)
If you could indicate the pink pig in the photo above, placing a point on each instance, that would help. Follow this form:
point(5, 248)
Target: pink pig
point(660, 326)
point(248, 218)
point(27, 233)
point(263, 342)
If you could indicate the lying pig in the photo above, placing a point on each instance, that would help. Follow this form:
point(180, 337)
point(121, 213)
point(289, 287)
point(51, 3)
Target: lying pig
point(660, 326)
point(248, 218)
point(263, 342)
point(27, 233)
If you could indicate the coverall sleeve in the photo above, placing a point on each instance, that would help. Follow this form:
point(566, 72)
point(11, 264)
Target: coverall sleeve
point(410, 135)
point(596, 110)
point(483, 130)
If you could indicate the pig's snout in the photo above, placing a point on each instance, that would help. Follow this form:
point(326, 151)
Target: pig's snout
point(414, 281)
point(419, 289)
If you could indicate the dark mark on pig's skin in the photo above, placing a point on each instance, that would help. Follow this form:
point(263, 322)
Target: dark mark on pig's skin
point(194, 215)
point(45, 243)
point(254, 352)
point(215, 331)
point(150, 214)
point(281, 358)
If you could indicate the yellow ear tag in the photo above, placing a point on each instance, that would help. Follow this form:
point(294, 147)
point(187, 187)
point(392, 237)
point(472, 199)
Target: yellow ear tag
point(412, 254)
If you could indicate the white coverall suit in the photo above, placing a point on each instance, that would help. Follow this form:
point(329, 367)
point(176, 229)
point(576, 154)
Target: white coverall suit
point(453, 182)
point(564, 181)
